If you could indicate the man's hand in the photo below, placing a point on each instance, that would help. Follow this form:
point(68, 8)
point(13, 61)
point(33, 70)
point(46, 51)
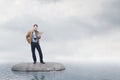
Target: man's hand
point(41, 32)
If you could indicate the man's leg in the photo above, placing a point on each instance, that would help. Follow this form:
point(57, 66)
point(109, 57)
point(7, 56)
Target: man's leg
point(40, 53)
point(33, 52)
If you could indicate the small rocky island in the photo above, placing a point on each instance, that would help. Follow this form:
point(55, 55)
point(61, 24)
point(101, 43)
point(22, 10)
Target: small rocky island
point(38, 67)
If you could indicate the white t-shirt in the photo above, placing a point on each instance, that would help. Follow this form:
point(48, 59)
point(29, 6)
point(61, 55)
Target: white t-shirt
point(34, 37)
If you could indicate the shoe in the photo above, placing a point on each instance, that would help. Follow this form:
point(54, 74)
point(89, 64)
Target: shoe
point(42, 62)
point(34, 62)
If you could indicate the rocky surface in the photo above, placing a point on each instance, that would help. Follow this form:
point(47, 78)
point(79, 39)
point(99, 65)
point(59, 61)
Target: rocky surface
point(30, 67)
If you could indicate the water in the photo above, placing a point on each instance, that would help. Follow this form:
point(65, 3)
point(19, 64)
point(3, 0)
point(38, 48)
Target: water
point(72, 72)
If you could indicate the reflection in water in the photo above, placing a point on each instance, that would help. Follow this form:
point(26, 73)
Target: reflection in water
point(45, 76)
point(39, 75)
point(36, 77)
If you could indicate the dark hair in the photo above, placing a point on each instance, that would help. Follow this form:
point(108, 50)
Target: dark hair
point(35, 25)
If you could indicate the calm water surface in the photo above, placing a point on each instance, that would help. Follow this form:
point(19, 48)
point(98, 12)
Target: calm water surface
point(72, 72)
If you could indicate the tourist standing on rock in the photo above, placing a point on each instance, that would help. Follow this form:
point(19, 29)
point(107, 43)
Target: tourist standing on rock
point(33, 37)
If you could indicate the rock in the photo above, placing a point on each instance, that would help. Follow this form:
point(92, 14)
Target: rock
point(30, 67)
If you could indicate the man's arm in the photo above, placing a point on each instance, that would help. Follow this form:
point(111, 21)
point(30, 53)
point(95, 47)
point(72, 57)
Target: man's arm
point(39, 35)
point(28, 37)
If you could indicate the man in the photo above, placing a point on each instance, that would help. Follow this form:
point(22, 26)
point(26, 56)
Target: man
point(33, 37)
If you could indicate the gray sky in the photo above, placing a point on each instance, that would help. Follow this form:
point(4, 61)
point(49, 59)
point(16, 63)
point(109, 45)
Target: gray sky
point(74, 30)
